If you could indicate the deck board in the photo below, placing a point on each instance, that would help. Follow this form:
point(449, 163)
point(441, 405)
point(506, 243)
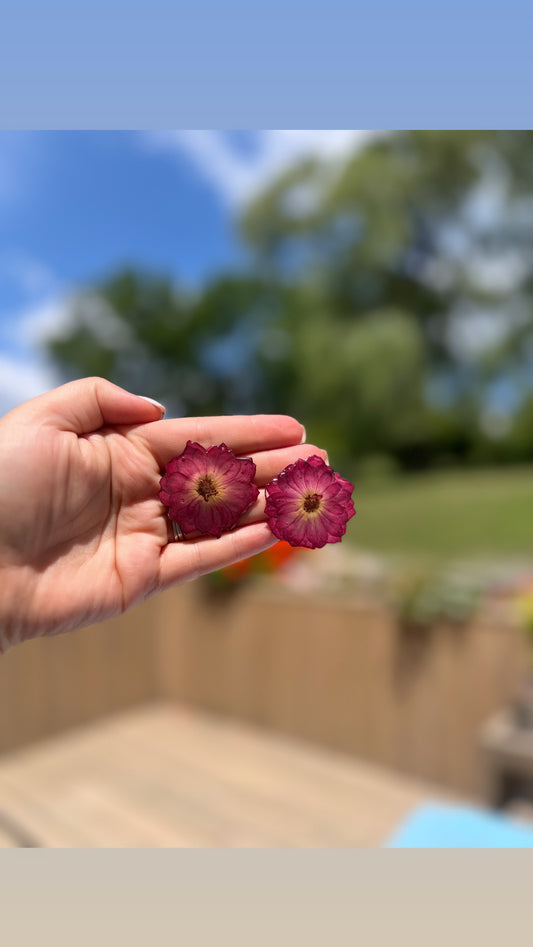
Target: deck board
point(165, 776)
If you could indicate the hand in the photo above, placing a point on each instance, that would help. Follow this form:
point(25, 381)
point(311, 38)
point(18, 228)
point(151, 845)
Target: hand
point(82, 533)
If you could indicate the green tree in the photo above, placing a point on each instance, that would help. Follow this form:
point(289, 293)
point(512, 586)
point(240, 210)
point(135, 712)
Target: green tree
point(194, 352)
point(436, 226)
point(389, 299)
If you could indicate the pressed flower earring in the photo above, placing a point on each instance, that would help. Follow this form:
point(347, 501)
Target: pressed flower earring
point(207, 490)
point(309, 504)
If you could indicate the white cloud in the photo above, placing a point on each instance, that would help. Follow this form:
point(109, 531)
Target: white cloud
point(33, 325)
point(27, 274)
point(37, 324)
point(238, 175)
point(22, 378)
point(25, 370)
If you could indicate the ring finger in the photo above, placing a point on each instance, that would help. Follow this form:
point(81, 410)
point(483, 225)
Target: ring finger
point(254, 514)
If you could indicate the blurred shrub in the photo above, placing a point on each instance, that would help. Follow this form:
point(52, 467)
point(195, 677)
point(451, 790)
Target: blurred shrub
point(377, 468)
point(423, 599)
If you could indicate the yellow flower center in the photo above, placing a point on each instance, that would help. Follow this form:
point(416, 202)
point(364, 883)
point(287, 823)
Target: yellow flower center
point(312, 502)
point(207, 488)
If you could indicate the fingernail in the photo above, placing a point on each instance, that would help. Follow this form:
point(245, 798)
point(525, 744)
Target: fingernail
point(157, 404)
point(304, 435)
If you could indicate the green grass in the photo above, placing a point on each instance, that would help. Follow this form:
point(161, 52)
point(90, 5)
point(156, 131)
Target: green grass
point(453, 514)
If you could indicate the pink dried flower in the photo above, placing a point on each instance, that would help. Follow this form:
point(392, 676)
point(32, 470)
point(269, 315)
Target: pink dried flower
point(309, 504)
point(208, 490)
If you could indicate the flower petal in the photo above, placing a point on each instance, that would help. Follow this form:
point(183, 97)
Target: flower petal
point(231, 489)
point(286, 510)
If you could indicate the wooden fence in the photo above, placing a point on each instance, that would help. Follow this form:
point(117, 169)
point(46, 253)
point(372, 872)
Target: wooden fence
point(340, 672)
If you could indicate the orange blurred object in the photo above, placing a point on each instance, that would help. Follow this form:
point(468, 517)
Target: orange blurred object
point(269, 561)
point(279, 554)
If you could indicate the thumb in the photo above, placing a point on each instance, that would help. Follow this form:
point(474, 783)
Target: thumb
point(88, 404)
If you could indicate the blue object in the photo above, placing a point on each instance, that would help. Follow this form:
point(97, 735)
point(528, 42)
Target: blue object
point(442, 826)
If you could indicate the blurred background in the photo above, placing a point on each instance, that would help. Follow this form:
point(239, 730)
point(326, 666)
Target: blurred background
point(379, 287)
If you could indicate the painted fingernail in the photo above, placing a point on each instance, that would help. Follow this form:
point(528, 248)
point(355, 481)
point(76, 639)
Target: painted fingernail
point(157, 404)
point(304, 435)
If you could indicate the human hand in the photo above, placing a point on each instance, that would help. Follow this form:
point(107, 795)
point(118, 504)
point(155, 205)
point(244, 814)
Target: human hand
point(82, 533)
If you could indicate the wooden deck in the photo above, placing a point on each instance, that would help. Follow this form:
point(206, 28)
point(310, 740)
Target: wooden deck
point(161, 776)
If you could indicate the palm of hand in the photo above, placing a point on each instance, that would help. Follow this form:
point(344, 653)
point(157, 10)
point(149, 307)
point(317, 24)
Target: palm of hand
point(82, 533)
point(89, 528)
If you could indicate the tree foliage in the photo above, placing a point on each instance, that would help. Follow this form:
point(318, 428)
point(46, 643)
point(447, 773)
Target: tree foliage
point(388, 306)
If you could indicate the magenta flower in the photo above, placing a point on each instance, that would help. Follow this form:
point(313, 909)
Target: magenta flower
point(208, 490)
point(309, 504)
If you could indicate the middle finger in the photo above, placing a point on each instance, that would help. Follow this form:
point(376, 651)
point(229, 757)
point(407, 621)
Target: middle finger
point(270, 463)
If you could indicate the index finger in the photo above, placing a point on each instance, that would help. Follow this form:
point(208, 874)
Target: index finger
point(243, 434)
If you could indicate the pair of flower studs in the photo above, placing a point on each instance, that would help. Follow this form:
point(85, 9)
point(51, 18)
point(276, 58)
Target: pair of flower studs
point(207, 490)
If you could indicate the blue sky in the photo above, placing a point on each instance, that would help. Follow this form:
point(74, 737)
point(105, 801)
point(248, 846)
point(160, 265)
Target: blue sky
point(76, 206)
point(90, 202)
